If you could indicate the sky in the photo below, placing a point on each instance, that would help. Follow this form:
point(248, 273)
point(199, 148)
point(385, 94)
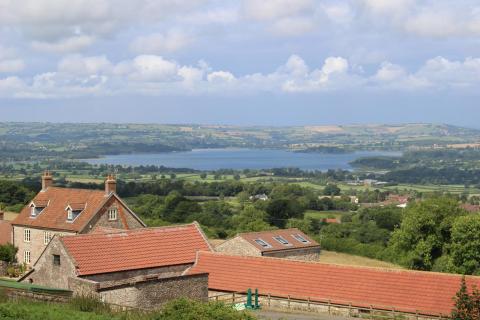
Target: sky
point(241, 62)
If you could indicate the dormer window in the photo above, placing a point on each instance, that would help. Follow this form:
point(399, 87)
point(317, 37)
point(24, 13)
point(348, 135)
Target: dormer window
point(74, 210)
point(112, 214)
point(35, 211)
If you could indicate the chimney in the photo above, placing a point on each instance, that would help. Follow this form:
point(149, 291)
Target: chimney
point(47, 180)
point(110, 185)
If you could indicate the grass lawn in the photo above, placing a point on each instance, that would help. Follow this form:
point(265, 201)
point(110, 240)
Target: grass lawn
point(323, 214)
point(352, 260)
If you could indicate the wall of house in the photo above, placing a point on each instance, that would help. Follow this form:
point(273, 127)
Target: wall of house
point(169, 271)
point(306, 254)
point(125, 220)
point(50, 275)
point(152, 294)
point(36, 244)
point(238, 246)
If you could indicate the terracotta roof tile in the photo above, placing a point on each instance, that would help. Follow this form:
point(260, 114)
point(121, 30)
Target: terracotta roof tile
point(54, 216)
point(136, 249)
point(5, 232)
point(408, 291)
point(287, 234)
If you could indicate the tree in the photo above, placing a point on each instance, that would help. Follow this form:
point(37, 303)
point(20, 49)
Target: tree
point(203, 175)
point(331, 190)
point(425, 232)
point(8, 253)
point(280, 210)
point(462, 309)
point(250, 219)
point(465, 247)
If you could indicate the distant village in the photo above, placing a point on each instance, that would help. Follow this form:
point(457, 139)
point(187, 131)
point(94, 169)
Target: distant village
point(89, 242)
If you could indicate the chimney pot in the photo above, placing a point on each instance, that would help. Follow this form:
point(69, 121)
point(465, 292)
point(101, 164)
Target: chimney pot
point(47, 180)
point(110, 184)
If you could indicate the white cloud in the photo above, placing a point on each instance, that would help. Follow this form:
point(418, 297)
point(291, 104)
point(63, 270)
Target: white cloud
point(72, 44)
point(11, 65)
point(274, 9)
point(220, 76)
point(154, 75)
point(292, 26)
point(159, 43)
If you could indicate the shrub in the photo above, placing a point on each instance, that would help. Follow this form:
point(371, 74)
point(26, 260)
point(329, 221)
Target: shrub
point(184, 309)
point(89, 303)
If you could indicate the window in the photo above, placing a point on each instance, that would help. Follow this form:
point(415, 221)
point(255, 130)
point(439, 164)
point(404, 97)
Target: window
point(26, 256)
point(300, 238)
point(69, 215)
point(47, 236)
point(112, 214)
point(35, 211)
point(282, 240)
point(56, 260)
point(263, 243)
point(27, 235)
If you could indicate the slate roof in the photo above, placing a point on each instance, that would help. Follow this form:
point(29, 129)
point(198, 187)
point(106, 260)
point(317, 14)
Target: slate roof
point(56, 200)
point(274, 245)
point(428, 292)
point(97, 253)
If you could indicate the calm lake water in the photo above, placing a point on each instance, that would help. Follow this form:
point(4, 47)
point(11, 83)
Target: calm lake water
point(213, 159)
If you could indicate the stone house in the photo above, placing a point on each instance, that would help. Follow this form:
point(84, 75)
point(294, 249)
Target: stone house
point(140, 268)
point(282, 243)
point(68, 211)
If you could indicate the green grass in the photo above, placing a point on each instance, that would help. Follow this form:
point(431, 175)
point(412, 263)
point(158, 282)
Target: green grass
point(314, 214)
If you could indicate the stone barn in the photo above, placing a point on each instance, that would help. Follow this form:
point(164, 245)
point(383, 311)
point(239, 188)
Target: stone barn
point(140, 268)
point(285, 243)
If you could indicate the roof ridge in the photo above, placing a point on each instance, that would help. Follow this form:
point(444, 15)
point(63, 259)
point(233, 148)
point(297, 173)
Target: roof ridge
point(267, 231)
point(334, 264)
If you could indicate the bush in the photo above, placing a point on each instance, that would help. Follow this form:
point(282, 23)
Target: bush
point(184, 309)
point(8, 252)
point(89, 303)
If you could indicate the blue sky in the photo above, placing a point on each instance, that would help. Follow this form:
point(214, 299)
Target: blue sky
point(248, 62)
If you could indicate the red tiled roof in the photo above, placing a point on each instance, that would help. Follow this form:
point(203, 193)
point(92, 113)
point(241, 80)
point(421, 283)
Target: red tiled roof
point(470, 207)
point(287, 234)
point(5, 232)
point(331, 220)
point(54, 216)
point(136, 249)
point(407, 291)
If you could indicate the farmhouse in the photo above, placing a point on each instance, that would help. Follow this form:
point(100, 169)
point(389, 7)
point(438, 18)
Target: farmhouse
point(287, 243)
point(66, 211)
point(135, 268)
point(415, 292)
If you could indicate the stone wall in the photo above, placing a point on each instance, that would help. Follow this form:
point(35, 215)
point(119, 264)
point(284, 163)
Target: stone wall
point(3, 268)
point(83, 287)
point(48, 274)
point(306, 254)
point(169, 271)
point(125, 220)
point(36, 244)
point(153, 293)
point(238, 246)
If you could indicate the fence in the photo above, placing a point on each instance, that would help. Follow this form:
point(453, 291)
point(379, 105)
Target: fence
point(288, 303)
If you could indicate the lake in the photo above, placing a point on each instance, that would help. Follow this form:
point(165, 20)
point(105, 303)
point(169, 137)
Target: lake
point(232, 158)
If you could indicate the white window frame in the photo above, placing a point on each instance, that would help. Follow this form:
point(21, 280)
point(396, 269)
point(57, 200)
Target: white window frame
point(47, 236)
point(27, 235)
point(69, 214)
point(27, 256)
point(112, 214)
